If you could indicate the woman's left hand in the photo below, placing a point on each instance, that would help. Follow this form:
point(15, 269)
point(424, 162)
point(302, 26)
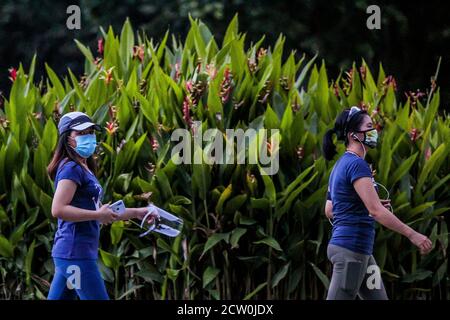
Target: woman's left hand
point(386, 204)
point(141, 212)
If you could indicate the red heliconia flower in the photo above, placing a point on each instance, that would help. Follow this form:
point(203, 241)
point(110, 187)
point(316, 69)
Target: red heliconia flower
point(211, 71)
point(186, 111)
point(12, 74)
point(138, 52)
point(100, 46)
point(363, 72)
point(348, 81)
point(107, 75)
point(154, 143)
point(378, 127)
point(336, 90)
point(414, 134)
point(269, 147)
point(375, 111)
point(363, 106)
point(112, 111)
point(390, 81)
point(414, 96)
point(111, 127)
point(177, 71)
point(189, 86)
point(225, 86)
point(428, 153)
point(261, 54)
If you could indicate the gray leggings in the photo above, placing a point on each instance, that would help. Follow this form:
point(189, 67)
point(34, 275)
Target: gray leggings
point(354, 274)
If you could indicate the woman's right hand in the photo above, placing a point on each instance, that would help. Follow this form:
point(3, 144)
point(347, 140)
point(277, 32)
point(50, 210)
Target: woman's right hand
point(422, 242)
point(106, 215)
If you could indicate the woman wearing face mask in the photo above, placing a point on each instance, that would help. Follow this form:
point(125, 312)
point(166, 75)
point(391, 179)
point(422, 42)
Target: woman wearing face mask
point(353, 206)
point(77, 205)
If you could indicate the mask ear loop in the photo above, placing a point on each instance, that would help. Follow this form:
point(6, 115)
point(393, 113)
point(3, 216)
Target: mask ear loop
point(362, 144)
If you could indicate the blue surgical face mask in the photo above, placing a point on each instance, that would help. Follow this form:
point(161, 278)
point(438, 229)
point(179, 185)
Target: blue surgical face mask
point(86, 145)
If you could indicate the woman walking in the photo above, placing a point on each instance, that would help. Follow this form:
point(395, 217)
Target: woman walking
point(77, 205)
point(353, 206)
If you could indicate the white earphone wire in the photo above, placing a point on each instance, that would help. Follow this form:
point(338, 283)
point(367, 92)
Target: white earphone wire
point(388, 194)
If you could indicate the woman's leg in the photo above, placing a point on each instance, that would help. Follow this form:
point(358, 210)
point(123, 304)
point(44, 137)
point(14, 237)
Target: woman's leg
point(372, 287)
point(77, 277)
point(92, 285)
point(59, 289)
point(348, 272)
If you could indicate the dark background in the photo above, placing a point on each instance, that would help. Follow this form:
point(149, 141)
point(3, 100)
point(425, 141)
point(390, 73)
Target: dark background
point(411, 39)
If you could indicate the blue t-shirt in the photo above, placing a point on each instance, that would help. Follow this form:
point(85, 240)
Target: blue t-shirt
point(353, 227)
point(78, 240)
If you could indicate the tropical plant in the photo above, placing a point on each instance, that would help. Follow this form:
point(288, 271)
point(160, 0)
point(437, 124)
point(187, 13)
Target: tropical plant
point(246, 235)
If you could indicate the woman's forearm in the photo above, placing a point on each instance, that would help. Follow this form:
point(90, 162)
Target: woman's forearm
point(389, 220)
point(130, 213)
point(75, 214)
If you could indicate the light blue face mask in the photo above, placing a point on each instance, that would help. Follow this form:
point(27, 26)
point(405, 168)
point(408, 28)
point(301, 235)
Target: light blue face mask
point(86, 145)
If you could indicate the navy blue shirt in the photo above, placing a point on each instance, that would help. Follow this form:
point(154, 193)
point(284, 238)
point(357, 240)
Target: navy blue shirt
point(78, 240)
point(353, 227)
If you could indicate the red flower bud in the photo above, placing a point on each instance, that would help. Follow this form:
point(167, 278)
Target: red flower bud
point(414, 134)
point(100, 46)
point(12, 74)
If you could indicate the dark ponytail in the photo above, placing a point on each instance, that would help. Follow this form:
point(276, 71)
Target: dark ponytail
point(341, 128)
point(328, 146)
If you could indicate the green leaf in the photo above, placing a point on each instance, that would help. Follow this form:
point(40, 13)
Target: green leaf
point(6, 249)
point(322, 277)
point(116, 232)
point(126, 42)
point(110, 260)
point(271, 120)
point(50, 135)
point(403, 169)
point(28, 262)
point(431, 166)
point(150, 274)
point(235, 204)
point(232, 31)
point(223, 197)
point(269, 190)
point(86, 51)
point(59, 89)
point(271, 242)
point(258, 289)
point(214, 240)
point(236, 234)
point(304, 71)
point(418, 275)
point(280, 275)
point(209, 275)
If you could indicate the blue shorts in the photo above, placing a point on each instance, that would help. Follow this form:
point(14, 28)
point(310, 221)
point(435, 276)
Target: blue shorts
point(74, 278)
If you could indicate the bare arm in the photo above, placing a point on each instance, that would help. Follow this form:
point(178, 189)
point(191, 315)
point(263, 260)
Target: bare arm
point(133, 213)
point(369, 196)
point(130, 213)
point(329, 209)
point(62, 209)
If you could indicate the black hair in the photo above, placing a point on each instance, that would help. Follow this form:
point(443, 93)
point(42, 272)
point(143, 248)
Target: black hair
point(64, 152)
point(341, 128)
